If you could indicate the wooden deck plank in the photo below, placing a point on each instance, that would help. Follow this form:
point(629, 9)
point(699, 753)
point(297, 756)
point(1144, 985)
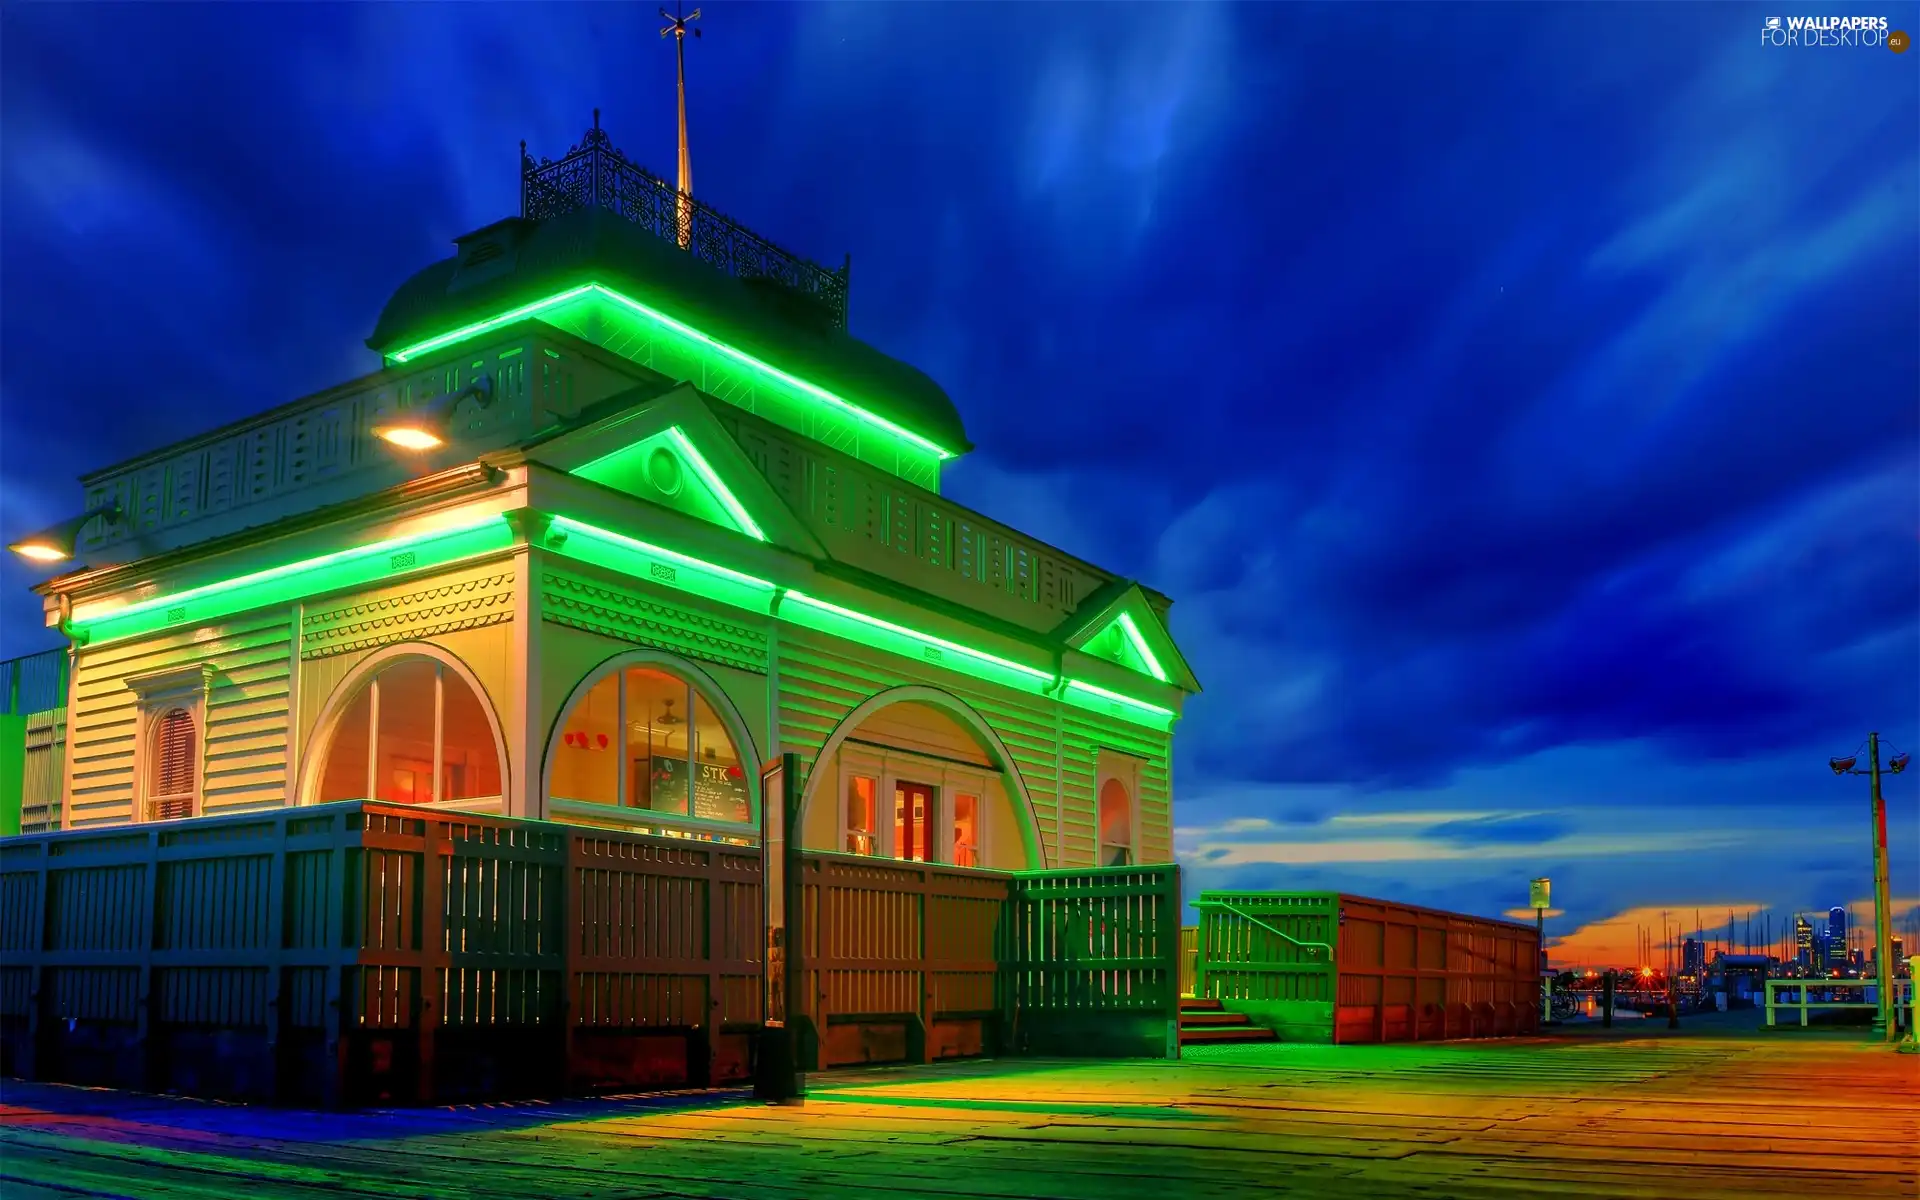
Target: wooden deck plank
point(1752, 1117)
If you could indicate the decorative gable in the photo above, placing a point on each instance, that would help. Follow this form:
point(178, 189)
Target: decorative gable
point(668, 469)
point(1122, 642)
point(666, 447)
point(1119, 624)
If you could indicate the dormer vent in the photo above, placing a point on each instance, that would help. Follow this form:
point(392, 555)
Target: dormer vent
point(487, 253)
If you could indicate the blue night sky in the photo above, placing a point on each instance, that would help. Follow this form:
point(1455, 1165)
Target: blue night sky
point(1521, 403)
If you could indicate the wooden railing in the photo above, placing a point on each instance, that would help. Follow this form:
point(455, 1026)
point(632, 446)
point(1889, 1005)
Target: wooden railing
point(1189, 959)
point(902, 960)
point(361, 952)
point(1094, 967)
point(1321, 966)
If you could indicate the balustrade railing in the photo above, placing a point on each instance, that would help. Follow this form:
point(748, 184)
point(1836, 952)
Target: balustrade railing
point(595, 174)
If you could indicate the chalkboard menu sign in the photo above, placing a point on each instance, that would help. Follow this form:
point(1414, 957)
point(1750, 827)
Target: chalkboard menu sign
point(719, 789)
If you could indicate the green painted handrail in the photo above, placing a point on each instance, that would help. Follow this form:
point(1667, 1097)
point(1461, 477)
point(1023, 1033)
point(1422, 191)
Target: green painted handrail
point(1245, 915)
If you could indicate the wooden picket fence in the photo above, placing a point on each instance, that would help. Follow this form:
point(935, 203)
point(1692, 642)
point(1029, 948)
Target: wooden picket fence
point(368, 953)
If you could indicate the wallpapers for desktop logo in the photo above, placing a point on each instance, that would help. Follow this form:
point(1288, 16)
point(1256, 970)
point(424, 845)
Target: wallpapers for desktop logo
point(1868, 32)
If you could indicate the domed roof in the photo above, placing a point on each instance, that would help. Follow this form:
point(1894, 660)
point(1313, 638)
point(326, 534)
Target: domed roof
point(518, 261)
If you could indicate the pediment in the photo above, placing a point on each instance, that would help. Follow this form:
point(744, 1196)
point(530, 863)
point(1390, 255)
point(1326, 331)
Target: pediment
point(667, 448)
point(1119, 624)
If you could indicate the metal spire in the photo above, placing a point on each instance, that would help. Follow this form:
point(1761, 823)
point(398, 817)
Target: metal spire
point(677, 29)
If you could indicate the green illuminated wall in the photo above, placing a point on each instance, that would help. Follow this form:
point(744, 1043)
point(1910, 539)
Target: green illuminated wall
point(653, 339)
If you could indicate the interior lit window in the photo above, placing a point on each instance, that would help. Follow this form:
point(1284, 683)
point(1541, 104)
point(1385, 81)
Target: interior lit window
point(1116, 825)
point(643, 738)
point(658, 740)
point(912, 820)
point(587, 764)
point(719, 778)
point(966, 830)
point(861, 791)
point(415, 733)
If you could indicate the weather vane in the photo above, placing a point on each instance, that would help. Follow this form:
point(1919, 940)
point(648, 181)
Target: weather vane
point(677, 29)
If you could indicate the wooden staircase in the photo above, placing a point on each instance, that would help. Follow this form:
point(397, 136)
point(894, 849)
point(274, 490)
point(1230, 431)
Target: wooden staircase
point(1208, 1023)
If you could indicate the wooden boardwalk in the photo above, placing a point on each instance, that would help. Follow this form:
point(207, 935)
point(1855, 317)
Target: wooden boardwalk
point(1700, 1116)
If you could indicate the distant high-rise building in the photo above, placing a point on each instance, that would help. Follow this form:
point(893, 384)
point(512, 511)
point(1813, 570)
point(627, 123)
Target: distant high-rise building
point(1837, 937)
point(1803, 940)
point(1899, 957)
point(1693, 957)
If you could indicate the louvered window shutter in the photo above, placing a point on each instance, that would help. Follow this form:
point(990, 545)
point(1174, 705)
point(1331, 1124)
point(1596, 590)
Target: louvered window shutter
point(174, 745)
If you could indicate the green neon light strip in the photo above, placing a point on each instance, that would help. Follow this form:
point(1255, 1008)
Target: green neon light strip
point(885, 635)
point(657, 564)
point(633, 557)
point(655, 315)
point(1140, 647)
point(711, 478)
point(1086, 695)
point(342, 569)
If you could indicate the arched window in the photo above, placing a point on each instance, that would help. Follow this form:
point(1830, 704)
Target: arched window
point(643, 737)
point(173, 767)
point(1116, 825)
point(414, 733)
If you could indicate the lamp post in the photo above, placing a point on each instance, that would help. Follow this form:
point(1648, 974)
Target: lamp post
point(1539, 895)
point(1885, 1025)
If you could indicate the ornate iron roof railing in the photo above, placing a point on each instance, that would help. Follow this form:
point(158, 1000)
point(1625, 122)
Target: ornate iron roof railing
point(595, 173)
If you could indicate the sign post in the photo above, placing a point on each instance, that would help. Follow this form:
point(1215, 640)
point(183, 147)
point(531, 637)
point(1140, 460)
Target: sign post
point(1540, 895)
point(777, 1075)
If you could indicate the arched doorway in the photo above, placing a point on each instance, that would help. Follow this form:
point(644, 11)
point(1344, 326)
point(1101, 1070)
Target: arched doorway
point(648, 741)
point(915, 774)
point(411, 725)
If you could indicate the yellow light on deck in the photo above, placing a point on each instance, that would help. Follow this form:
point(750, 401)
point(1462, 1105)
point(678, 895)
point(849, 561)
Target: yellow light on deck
point(55, 543)
point(409, 437)
point(40, 551)
point(429, 426)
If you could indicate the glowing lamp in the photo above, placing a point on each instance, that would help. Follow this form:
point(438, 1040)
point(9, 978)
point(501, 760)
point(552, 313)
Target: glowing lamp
point(55, 543)
point(429, 426)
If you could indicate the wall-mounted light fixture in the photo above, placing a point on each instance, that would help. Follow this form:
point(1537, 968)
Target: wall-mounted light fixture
point(429, 426)
point(55, 543)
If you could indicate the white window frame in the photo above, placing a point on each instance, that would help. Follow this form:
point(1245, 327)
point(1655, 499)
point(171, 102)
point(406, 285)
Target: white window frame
point(157, 693)
point(1112, 765)
point(366, 678)
point(888, 767)
point(647, 820)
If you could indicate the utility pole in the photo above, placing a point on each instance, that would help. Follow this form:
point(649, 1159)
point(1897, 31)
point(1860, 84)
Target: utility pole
point(1885, 1025)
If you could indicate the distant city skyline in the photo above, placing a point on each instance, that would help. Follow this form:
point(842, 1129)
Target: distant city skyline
point(1629, 939)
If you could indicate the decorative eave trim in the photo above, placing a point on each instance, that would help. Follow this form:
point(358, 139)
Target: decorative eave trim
point(171, 682)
